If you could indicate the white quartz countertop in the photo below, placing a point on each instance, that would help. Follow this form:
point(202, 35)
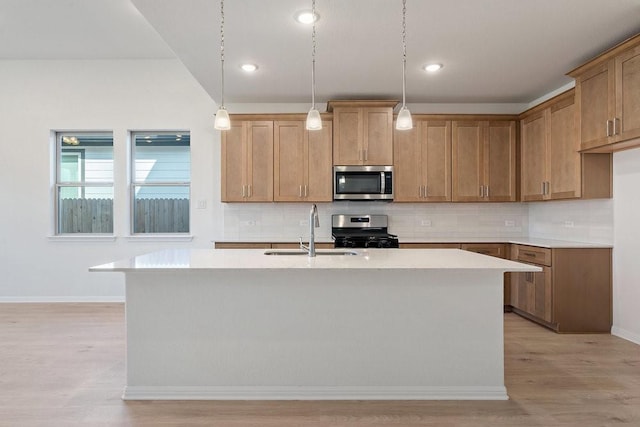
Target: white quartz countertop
point(372, 259)
point(531, 241)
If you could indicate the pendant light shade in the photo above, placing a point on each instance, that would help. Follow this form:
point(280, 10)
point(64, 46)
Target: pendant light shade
point(404, 121)
point(314, 121)
point(222, 121)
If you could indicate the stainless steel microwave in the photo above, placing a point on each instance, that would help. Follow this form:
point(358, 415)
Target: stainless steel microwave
point(363, 183)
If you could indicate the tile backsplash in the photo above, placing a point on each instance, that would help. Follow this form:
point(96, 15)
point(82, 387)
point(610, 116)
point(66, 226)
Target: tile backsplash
point(576, 220)
point(289, 221)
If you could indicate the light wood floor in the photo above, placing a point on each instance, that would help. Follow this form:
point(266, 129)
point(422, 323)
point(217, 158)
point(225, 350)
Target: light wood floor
point(64, 365)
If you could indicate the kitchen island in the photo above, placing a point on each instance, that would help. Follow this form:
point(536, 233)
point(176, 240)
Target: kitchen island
point(382, 324)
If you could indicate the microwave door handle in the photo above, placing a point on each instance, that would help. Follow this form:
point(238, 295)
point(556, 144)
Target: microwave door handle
point(383, 183)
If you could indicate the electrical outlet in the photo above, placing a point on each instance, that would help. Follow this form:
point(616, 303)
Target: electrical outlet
point(509, 223)
point(303, 223)
point(425, 223)
point(202, 204)
point(249, 223)
point(568, 224)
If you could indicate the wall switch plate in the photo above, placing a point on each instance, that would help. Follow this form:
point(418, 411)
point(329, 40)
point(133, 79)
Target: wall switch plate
point(425, 223)
point(303, 223)
point(202, 204)
point(249, 223)
point(568, 224)
point(509, 223)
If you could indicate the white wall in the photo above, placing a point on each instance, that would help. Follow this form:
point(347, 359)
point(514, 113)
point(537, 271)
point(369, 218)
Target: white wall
point(119, 96)
point(626, 254)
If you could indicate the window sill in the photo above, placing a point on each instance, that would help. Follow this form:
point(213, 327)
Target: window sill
point(82, 238)
point(159, 238)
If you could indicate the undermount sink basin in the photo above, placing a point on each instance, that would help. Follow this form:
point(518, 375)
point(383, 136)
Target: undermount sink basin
point(318, 252)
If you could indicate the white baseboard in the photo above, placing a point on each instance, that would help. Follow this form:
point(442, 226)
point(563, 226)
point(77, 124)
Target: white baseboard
point(315, 393)
point(625, 334)
point(31, 299)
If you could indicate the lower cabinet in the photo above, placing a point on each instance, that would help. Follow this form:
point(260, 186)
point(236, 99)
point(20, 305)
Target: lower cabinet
point(571, 294)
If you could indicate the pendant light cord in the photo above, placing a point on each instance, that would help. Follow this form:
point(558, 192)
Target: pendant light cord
point(404, 52)
point(313, 56)
point(222, 50)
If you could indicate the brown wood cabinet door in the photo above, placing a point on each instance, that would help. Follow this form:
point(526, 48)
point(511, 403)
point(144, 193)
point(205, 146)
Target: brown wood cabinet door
point(595, 103)
point(348, 136)
point(627, 78)
point(319, 171)
point(467, 163)
point(407, 167)
point(500, 162)
point(377, 142)
point(542, 303)
point(563, 156)
point(531, 293)
point(260, 161)
point(234, 163)
point(533, 157)
point(434, 145)
point(290, 157)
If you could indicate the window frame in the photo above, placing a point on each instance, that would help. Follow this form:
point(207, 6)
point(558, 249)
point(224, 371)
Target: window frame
point(133, 184)
point(82, 184)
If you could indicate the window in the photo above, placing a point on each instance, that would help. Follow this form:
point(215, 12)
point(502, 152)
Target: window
point(161, 176)
point(84, 183)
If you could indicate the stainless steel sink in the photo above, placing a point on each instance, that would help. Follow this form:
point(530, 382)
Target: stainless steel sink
point(318, 252)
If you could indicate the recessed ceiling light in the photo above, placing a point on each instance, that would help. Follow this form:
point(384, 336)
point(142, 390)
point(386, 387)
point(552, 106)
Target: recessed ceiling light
point(249, 68)
point(432, 68)
point(306, 17)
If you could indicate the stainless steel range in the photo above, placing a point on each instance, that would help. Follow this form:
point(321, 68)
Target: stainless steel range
point(362, 231)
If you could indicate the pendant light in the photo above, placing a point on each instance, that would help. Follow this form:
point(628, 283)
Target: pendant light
point(222, 121)
point(404, 121)
point(314, 121)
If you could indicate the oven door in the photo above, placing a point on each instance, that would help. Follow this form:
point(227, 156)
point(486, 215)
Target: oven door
point(363, 183)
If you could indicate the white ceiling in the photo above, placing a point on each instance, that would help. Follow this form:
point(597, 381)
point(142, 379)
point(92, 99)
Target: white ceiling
point(493, 51)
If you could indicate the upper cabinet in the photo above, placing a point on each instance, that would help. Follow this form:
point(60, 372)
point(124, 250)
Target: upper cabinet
point(247, 162)
point(551, 166)
point(302, 162)
point(422, 160)
point(484, 161)
point(362, 132)
point(608, 99)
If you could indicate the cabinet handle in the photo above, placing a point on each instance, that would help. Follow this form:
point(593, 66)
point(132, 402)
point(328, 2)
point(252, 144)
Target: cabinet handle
point(481, 191)
point(299, 190)
point(249, 190)
point(542, 188)
point(366, 155)
point(243, 191)
point(529, 254)
point(420, 191)
point(608, 127)
point(305, 191)
point(426, 188)
point(361, 154)
point(548, 188)
point(615, 125)
point(486, 191)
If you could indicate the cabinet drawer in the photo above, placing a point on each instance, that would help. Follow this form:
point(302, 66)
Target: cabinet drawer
point(533, 255)
point(492, 249)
